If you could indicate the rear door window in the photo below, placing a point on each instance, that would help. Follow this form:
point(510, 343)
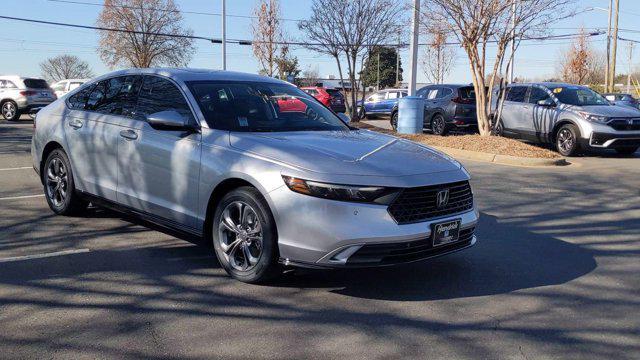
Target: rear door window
point(116, 96)
point(392, 95)
point(444, 92)
point(159, 94)
point(36, 84)
point(516, 93)
point(432, 94)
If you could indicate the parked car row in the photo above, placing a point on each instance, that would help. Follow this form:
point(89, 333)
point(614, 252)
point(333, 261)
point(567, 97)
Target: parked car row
point(24, 95)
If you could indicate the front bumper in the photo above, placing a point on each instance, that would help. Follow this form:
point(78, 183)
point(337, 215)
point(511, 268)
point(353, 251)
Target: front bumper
point(613, 140)
point(321, 233)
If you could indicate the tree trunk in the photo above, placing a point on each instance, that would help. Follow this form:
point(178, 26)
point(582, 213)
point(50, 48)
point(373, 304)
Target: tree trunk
point(337, 57)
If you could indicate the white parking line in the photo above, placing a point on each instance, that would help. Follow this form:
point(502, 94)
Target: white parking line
point(17, 168)
point(20, 197)
point(45, 255)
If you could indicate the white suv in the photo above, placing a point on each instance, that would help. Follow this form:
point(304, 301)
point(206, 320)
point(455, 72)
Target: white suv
point(62, 87)
point(19, 95)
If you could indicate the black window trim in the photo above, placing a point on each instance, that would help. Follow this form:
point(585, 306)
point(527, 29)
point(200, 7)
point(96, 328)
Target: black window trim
point(95, 82)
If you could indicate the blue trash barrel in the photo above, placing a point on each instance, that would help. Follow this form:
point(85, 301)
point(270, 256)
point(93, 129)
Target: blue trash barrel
point(410, 115)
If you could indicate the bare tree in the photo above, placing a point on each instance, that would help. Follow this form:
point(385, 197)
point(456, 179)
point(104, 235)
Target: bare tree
point(267, 35)
point(324, 39)
point(365, 24)
point(577, 62)
point(65, 67)
point(478, 24)
point(438, 58)
point(310, 76)
point(162, 38)
point(350, 28)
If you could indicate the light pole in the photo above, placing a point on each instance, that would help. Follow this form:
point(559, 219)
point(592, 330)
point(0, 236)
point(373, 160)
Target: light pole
point(612, 67)
point(413, 48)
point(224, 35)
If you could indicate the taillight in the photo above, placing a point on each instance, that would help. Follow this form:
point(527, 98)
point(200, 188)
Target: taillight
point(460, 100)
point(27, 93)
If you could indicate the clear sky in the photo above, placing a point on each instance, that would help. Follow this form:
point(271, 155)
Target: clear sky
point(25, 45)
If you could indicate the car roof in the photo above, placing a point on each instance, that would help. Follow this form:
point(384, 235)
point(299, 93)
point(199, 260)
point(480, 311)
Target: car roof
point(188, 74)
point(74, 80)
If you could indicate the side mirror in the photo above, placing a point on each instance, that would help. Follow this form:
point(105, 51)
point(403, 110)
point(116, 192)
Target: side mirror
point(345, 119)
point(548, 102)
point(168, 119)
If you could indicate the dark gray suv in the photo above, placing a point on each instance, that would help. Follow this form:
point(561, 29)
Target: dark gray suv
point(449, 106)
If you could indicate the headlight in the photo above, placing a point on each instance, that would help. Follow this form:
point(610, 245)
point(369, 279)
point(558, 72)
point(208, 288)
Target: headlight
point(594, 118)
point(369, 194)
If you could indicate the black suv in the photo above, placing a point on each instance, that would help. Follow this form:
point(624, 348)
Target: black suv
point(449, 106)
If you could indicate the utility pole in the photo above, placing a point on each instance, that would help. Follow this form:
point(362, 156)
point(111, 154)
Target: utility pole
point(413, 48)
point(224, 35)
point(612, 75)
point(606, 75)
point(630, 67)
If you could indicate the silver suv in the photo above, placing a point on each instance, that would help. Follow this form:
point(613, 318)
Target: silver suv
point(19, 95)
point(572, 117)
point(254, 165)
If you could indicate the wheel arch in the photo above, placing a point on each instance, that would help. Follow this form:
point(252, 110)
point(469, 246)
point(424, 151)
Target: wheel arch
point(561, 123)
point(51, 145)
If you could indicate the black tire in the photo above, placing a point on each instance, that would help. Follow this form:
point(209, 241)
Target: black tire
point(266, 266)
point(394, 120)
point(566, 140)
point(59, 187)
point(10, 111)
point(361, 113)
point(627, 150)
point(439, 125)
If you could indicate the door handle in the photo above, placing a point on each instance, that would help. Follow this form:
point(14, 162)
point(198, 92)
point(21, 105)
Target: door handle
point(129, 134)
point(76, 124)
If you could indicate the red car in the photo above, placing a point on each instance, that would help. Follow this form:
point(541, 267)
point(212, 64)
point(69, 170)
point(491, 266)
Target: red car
point(331, 98)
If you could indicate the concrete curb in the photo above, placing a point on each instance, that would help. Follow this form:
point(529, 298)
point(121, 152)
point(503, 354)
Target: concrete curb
point(500, 159)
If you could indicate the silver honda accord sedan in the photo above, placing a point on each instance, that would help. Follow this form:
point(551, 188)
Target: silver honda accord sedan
point(256, 166)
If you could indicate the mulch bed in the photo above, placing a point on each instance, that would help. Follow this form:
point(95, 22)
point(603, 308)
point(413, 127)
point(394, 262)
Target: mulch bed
point(473, 142)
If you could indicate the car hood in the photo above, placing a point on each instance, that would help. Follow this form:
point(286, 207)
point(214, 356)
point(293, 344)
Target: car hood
point(345, 152)
point(608, 110)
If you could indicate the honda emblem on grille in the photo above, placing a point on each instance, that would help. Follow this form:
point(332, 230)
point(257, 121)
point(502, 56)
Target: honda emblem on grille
point(442, 198)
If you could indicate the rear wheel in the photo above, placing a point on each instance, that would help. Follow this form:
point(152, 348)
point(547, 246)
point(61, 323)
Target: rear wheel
point(244, 236)
point(59, 187)
point(439, 125)
point(627, 150)
point(567, 140)
point(10, 111)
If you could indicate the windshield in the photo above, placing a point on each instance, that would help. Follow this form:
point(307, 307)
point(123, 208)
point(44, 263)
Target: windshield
point(578, 95)
point(261, 106)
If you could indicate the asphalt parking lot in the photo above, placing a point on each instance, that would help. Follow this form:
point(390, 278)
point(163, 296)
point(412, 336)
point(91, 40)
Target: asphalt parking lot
point(554, 275)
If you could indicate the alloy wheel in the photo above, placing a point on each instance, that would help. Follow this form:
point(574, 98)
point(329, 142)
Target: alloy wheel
point(57, 181)
point(438, 125)
point(8, 110)
point(565, 140)
point(240, 235)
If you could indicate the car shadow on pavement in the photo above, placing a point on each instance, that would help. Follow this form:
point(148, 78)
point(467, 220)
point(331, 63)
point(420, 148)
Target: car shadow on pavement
point(506, 258)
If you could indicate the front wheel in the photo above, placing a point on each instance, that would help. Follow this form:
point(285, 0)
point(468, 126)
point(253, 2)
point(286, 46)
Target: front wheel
point(244, 236)
point(10, 111)
point(627, 150)
point(394, 120)
point(59, 187)
point(567, 140)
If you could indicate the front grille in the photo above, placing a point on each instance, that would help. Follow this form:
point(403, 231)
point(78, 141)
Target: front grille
point(419, 203)
point(396, 253)
point(623, 124)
